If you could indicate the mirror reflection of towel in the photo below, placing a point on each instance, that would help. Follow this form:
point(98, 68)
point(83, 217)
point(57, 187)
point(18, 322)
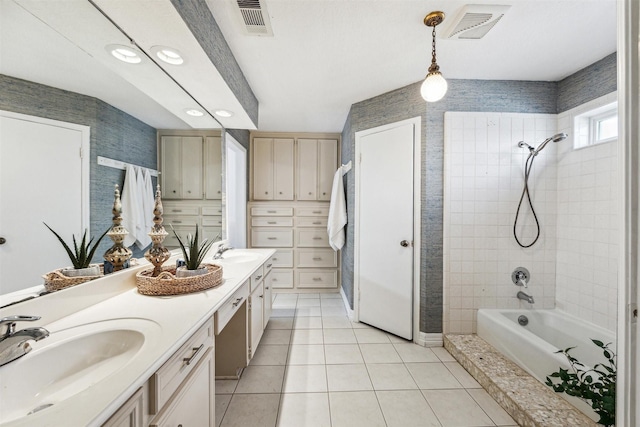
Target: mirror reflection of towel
point(142, 238)
point(130, 205)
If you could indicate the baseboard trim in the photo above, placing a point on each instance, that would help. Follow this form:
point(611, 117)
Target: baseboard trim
point(346, 303)
point(429, 339)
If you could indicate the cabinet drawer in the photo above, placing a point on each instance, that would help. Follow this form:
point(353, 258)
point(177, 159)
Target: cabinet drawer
point(212, 221)
point(317, 258)
point(212, 210)
point(281, 279)
point(265, 211)
point(311, 222)
point(313, 238)
point(181, 221)
point(317, 279)
point(168, 378)
point(272, 222)
point(226, 312)
point(282, 258)
point(182, 210)
point(313, 211)
point(272, 238)
point(256, 278)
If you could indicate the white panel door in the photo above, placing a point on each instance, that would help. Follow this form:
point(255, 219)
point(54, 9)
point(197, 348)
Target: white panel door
point(191, 167)
point(43, 186)
point(262, 168)
point(384, 232)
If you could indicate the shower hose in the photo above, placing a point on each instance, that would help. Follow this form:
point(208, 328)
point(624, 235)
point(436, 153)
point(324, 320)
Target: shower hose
point(528, 164)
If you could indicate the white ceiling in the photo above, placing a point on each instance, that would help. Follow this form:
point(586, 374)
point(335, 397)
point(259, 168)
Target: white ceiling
point(326, 55)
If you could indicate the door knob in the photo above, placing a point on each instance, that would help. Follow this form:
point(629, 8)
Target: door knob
point(404, 243)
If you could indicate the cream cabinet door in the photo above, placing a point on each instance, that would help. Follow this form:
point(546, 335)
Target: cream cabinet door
point(213, 168)
point(268, 299)
point(327, 165)
point(307, 182)
point(263, 166)
point(283, 160)
point(256, 312)
point(171, 164)
point(191, 167)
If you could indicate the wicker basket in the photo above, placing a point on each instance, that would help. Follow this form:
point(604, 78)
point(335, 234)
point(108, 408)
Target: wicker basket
point(168, 284)
point(55, 280)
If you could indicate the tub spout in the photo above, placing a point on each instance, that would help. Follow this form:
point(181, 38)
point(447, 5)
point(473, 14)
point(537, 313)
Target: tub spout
point(528, 298)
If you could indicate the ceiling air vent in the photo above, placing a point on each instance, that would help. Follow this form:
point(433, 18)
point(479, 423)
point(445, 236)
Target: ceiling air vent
point(254, 17)
point(474, 21)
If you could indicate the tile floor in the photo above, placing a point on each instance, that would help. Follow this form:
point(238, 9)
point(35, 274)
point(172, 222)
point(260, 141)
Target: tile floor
point(314, 367)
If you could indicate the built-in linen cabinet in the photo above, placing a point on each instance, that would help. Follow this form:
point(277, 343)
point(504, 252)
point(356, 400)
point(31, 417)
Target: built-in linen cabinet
point(181, 166)
point(184, 215)
point(213, 168)
point(316, 165)
point(273, 168)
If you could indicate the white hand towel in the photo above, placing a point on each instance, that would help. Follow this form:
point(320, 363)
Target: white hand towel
point(337, 213)
point(142, 238)
point(130, 205)
point(149, 201)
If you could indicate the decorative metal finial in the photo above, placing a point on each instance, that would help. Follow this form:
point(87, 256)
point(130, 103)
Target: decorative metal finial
point(117, 255)
point(157, 254)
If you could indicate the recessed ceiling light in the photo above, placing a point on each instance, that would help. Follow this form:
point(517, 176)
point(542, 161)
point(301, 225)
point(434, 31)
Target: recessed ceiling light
point(124, 53)
point(223, 113)
point(194, 112)
point(168, 54)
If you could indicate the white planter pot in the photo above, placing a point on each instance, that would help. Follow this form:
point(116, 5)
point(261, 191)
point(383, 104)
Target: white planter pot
point(183, 272)
point(93, 270)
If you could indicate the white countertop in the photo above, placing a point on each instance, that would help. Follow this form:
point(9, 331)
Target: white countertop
point(175, 319)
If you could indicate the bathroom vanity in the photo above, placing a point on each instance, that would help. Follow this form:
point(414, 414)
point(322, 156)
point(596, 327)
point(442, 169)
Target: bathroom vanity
point(115, 357)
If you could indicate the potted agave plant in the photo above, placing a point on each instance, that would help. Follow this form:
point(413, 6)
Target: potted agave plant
point(193, 252)
point(81, 255)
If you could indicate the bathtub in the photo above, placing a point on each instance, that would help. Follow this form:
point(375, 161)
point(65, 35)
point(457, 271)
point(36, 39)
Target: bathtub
point(532, 346)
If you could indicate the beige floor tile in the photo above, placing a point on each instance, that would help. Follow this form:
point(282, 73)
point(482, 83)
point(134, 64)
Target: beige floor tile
point(432, 376)
point(261, 379)
point(280, 323)
point(333, 311)
point(305, 379)
point(308, 311)
point(342, 354)
point(442, 354)
point(415, 353)
point(390, 376)
point(307, 336)
point(304, 409)
point(252, 410)
point(283, 312)
point(339, 336)
point(309, 295)
point(355, 409)
point(348, 378)
point(305, 354)
point(406, 408)
point(371, 336)
point(336, 322)
point(498, 415)
point(462, 375)
point(273, 355)
point(456, 408)
point(308, 323)
point(226, 386)
point(276, 336)
point(222, 402)
point(379, 353)
point(308, 302)
point(360, 325)
point(331, 303)
point(331, 295)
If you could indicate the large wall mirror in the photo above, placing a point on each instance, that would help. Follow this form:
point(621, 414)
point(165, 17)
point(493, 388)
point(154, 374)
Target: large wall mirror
point(56, 70)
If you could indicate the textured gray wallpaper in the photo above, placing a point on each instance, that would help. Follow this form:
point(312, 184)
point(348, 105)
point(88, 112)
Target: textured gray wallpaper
point(463, 95)
point(114, 134)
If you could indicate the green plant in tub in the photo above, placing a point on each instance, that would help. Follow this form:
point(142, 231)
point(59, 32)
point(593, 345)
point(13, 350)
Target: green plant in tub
point(82, 253)
point(194, 251)
point(596, 385)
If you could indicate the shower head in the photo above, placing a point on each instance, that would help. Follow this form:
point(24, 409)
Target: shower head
point(523, 144)
point(555, 138)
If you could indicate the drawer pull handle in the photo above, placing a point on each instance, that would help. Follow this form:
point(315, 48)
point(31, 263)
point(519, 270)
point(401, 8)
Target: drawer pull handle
point(317, 279)
point(261, 296)
point(269, 265)
point(176, 210)
point(258, 277)
point(317, 212)
point(317, 238)
point(317, 258)
point(271, 211)
point(178, 222)
point(274, 280)
point(196, 350)
point(236, 302)
point(272, 238)
point(317, 223)
point(271, 222)
point(274, 259)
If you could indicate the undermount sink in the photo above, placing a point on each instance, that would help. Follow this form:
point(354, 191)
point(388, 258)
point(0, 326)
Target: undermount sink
point(239, 256)
point(68, 362)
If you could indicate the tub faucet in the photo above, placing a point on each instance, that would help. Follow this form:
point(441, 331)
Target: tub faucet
point(222, 249)
point(14, 344)
point(528, 298)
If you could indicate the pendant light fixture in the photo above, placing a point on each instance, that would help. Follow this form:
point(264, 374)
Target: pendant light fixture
point(434, 86)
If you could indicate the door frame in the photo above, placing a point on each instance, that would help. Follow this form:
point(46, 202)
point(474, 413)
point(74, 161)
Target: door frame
point(417, 208)
point(231, 144)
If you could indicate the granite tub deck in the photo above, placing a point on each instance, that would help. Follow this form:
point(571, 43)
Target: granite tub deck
point(529, 402)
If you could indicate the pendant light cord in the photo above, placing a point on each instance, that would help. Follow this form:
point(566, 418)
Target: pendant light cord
point(528, 164)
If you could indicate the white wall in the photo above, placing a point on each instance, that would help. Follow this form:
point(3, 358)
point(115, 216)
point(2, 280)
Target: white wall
point(587, 225)
point(483, 181)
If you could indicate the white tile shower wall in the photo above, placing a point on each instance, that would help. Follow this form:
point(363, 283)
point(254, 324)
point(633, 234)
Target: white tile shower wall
point(587, 269)
point(484, 170)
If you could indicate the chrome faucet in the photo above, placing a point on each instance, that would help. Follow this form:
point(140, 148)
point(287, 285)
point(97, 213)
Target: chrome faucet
point(222, 249)
point(528, 298)
point(15, 344)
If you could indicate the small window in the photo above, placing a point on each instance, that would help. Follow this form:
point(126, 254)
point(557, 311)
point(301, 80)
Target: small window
point(596, 126)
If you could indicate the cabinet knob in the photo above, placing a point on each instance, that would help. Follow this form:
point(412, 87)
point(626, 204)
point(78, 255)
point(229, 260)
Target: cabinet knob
point(324, 194)
point(309, 192)
point(266, 192)
point(174, 191)
point(281, 192)
point(189, 191)
point(3, 240)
